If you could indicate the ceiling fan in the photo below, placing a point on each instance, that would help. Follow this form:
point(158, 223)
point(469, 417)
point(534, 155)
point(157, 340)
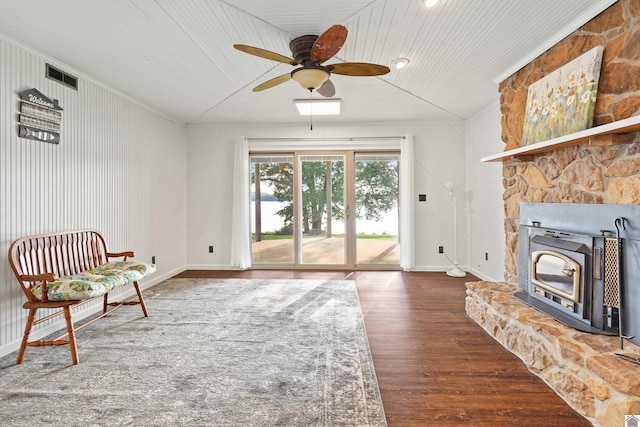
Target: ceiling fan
point(310, 52)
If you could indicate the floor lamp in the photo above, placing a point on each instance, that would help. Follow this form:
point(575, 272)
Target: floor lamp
point(455, 271)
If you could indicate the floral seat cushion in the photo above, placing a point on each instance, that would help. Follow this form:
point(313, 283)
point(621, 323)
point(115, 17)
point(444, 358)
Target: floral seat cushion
point(95, 282)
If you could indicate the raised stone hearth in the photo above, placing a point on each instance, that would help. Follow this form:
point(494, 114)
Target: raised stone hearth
point(579, 367)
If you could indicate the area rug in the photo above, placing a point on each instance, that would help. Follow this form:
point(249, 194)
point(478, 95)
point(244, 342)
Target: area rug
point(213, 352)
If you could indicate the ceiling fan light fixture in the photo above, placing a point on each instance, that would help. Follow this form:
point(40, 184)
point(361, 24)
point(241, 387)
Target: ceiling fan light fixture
point(310, 78)
point(400, 62)
point(318, 107)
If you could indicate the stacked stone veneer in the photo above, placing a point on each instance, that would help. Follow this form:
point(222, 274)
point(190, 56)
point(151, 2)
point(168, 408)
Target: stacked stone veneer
point(581, 174)
point(580, 367)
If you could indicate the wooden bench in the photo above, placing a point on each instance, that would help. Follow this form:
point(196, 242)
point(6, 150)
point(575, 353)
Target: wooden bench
point(61, 270)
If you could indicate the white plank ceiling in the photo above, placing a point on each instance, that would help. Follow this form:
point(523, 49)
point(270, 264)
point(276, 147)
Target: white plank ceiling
point(176, 56)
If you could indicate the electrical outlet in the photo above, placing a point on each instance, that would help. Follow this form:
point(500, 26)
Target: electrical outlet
point(440, 249)
point(211, 249)
point(153, 259)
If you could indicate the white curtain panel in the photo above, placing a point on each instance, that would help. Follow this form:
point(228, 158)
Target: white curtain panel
point(241, 209)
point(407, 242)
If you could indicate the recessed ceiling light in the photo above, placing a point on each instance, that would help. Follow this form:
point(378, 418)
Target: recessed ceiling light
point(400, 62)
point(318, 107)
point(428, 3)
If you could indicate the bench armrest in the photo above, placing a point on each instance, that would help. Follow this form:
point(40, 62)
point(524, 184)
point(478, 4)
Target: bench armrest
point(127, 254)
point(48, 277)
point(44, 278)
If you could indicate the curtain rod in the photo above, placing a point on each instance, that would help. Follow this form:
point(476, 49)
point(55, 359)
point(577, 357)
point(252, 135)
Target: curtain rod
point(353, 138)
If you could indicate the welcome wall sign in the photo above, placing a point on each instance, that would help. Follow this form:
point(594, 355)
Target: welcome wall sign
point(40, 117)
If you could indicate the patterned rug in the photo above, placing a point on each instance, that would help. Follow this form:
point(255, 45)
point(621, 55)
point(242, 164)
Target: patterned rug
point(214, 352)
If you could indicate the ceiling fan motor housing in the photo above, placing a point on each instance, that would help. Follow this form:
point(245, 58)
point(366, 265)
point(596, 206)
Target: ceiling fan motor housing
point(301, 48)
point(311, 51)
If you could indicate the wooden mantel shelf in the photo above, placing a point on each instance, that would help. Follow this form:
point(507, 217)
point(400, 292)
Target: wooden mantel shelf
point(632, 124)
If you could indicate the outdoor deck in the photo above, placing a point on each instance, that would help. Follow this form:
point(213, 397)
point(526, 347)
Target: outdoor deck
point(323, 250)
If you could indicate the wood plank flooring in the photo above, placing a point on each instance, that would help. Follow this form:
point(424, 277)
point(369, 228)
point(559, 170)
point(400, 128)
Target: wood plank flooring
point(436, 366)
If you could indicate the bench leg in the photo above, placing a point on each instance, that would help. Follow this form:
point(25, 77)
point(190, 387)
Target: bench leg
point(105, 303)
point(27, 330)
point(72, 335)
point(142, 304)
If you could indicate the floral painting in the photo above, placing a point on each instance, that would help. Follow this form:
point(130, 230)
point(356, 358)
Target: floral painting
point(563, 101)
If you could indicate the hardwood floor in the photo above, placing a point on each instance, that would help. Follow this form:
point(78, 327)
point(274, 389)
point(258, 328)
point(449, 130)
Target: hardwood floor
point(436, 366)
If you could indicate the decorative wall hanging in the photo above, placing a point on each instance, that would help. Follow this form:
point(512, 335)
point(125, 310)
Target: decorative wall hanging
point(563, 102)
point(40, 117)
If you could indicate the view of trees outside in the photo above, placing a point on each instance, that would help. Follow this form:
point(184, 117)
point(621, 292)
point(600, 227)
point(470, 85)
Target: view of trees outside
point(377, 186)
point(274, 181)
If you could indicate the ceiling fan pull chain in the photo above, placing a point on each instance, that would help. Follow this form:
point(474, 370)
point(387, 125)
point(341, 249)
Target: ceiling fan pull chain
point(311, 109)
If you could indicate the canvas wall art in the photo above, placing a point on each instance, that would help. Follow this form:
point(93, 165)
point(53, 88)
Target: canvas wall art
point(563, 102)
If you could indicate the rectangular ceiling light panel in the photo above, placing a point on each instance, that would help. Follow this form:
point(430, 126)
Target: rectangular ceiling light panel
point(318, 107)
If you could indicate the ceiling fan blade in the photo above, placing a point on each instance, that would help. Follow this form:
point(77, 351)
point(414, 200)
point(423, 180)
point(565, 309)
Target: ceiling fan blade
point(273, 82)
point(267, 54)
point(329, 43)
point(359, 69)
point(327, 89)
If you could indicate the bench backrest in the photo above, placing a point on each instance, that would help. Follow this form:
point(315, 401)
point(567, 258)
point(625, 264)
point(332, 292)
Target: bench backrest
point(60, 254)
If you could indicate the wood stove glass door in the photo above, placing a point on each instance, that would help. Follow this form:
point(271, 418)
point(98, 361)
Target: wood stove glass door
point(556, 273)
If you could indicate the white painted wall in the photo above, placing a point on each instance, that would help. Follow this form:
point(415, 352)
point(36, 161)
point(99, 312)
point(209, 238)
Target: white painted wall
point(119, 168)
point(439, 157)
point(484, 195)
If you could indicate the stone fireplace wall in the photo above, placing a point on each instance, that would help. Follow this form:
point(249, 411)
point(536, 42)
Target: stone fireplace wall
point(581, 174)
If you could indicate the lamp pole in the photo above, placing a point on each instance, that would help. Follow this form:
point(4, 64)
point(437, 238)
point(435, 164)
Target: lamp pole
point(455, 271)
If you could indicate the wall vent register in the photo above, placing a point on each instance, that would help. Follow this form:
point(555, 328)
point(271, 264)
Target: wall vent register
point(60, 76)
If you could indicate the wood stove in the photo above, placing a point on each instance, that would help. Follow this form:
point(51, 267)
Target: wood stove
point(584, 279)
point(565, 278)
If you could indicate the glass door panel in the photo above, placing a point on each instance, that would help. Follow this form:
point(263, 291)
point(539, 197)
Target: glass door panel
point(321, 221)
point(376, 208)
point(272, 194)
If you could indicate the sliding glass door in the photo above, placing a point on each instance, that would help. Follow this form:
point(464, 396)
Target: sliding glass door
point(321, 213)
point(325, 210)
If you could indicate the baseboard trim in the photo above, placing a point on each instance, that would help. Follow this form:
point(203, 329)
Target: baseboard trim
point(435, 268)
point(213, 267)
point(482, 276)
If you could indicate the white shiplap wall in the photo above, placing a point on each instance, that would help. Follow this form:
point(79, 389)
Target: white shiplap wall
point(439, 157)
point(119, 168)
point(484, 195)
